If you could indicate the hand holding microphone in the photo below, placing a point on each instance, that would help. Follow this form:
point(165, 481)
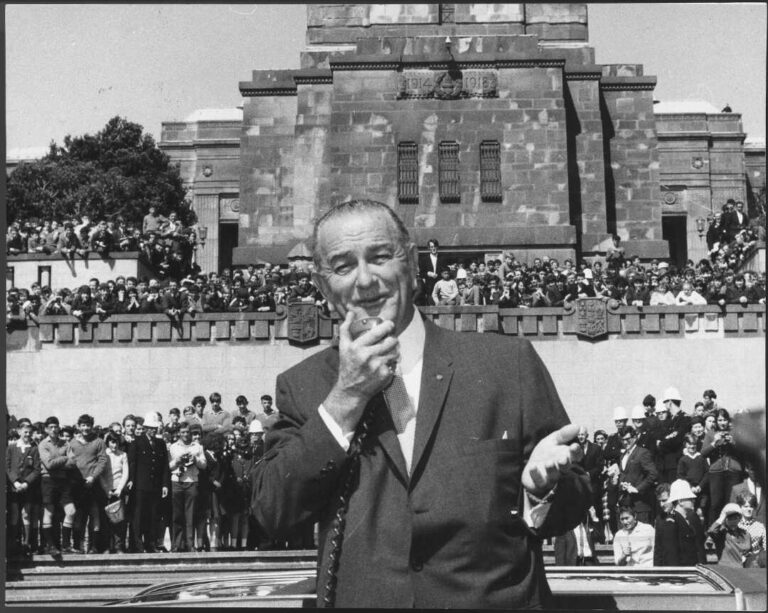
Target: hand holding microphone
point(367, 352)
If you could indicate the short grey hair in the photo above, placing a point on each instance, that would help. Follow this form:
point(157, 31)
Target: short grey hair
point(356, 206)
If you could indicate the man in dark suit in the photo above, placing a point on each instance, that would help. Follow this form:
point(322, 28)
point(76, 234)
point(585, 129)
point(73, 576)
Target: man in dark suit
point(592, 462)
point(637, 476)
point(149, 481)
point(433, 471)
point(430, 265)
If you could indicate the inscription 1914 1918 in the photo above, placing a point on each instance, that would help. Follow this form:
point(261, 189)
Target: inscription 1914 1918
point(447, 84)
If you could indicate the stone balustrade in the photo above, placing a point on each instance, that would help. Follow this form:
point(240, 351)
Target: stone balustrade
point(537, 324)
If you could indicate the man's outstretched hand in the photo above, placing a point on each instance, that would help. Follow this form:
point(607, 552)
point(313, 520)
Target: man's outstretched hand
point(554, 454)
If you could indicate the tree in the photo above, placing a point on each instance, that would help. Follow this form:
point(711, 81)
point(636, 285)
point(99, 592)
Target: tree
point(117, 173)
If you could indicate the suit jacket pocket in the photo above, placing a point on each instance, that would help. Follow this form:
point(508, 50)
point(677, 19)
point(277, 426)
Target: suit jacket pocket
point(494, 445)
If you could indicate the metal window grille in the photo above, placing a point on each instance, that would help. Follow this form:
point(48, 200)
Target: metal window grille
point(490, 171)
point(448, 157)
point(408, 172)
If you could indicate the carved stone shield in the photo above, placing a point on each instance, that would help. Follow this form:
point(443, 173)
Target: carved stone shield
point(303, 324)
point(591, 317)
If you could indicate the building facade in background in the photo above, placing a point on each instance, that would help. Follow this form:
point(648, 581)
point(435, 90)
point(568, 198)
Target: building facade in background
point(486, 126)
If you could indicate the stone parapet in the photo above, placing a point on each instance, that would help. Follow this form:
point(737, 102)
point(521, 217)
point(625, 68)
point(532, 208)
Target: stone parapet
point(550, 323)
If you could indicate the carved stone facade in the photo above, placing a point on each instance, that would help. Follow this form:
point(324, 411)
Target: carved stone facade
point(581, 151)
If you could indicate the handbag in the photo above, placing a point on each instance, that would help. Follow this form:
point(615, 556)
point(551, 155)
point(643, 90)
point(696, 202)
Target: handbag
point(115, 511)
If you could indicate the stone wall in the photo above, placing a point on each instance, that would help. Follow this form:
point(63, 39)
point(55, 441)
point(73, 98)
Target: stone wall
point(140, 363)
point(72, 273)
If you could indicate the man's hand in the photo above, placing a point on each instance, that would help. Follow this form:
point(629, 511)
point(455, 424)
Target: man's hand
point(554, 453)
point(164, 492)
point(364, 370)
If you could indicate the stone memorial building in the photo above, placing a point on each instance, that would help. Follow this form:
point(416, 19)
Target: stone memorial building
point(486, 126)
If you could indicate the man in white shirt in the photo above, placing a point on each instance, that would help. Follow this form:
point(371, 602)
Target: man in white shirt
point(445, 292)
point(633, 542)
point(421, 502)
point(185, 459)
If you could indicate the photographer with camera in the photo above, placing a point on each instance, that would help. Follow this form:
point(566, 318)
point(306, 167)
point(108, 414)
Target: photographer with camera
point(725, 465)
point(186, 458)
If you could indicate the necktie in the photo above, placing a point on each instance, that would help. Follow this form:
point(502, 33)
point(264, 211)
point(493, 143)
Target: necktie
point(399, 403)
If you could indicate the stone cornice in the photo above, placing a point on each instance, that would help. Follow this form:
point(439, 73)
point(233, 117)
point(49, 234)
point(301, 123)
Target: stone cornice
point(627, 83)
point(466, 61)
point(268, 91)
point(661, 135)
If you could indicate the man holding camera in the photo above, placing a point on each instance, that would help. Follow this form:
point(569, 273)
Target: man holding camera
point(186, 460)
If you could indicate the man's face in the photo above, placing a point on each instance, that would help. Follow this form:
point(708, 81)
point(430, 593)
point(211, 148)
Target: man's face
point(600, 439)
point(199, 408)
point(130, 427)
point(173, 286)
point(582, 436)
point(432, 247)
point(365, 269)
point(215, 404)
point(243, 407)
point(628, 521)
point(664, 503)
point(150, 431)
point(84, 428)
point(52, 430)
point(173, 418)
point(619, 423)
point(638, 423)
point(93, 285)
point(139, 429)
point(627, 440)
point(25, 433)
point(662, 415)
point(185, 435)
point(266, 405)
point(697, 429)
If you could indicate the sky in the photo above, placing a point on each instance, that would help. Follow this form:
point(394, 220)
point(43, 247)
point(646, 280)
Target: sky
point(70, 68)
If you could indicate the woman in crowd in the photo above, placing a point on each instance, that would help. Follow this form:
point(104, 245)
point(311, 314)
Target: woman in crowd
point(733, 543)
point(725, 467)
point(113, 480)
point(755, 529)
point(237, 488)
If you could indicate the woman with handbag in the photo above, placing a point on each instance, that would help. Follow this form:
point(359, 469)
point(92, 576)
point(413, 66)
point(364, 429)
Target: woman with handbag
point(113, 481)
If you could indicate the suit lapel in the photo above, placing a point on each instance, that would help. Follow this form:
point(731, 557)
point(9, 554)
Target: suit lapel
point(436, 377)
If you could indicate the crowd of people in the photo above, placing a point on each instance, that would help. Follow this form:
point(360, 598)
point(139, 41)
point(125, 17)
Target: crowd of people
point(667, 486)
point(139, 484)
point(546, 282)
point(179, 287)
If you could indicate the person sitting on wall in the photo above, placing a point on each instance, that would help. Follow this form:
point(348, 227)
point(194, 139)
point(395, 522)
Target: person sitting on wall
point(689, 296)
point(101, 240)
point(70, 244)
point(445, 291)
